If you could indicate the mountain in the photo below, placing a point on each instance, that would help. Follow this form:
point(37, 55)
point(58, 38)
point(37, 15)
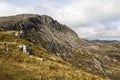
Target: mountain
point(101, 41)
point(44, 31)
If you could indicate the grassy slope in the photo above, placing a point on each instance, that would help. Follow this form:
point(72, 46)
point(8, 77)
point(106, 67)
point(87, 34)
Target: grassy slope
point(16, 65)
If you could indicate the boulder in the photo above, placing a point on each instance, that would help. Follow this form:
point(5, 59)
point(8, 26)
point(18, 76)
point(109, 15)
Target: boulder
point(20, 34)
point(41, 59)
point(25, 49)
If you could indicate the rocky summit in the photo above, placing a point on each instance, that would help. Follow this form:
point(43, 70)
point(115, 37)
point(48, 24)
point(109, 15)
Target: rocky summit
point(99, 59)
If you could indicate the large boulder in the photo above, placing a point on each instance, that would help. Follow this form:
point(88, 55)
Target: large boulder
point(25, 49)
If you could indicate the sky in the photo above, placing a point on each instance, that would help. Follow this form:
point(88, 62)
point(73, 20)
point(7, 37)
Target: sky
point(90, 19)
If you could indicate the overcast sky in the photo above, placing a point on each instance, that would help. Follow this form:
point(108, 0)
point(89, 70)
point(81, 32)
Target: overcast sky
point(91, 19)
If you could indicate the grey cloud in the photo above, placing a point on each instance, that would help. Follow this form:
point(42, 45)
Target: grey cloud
point(87, 11)
point(10, 9)
point(100, 31)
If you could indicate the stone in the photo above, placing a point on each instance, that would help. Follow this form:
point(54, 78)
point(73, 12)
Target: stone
point(114, 60)
point(79, 64)
point(20, 34)
point(25, 49)
point(107, 58)
point(54, 59)
point(20, 48)
point(58, 54)
point(108, 72)
point(41, 59)
point(5, 47)
point(97, 65)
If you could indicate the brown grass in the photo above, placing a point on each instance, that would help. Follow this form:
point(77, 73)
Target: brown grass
point(16, 65)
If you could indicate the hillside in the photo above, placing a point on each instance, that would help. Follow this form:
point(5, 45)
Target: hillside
point(46, 32)
point(98, 59)
point(17, 65)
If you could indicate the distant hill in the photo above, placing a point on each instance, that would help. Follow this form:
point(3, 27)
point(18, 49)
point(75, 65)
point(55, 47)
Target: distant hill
point(101, 41)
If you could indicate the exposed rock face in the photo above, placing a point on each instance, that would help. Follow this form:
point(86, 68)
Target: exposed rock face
point(61, 40)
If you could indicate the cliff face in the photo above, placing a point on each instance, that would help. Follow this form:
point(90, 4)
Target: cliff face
point(100, 59)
